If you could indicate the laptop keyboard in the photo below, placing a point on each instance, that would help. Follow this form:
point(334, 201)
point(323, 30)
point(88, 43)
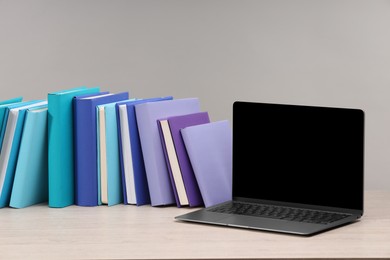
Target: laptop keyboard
point(279, 212)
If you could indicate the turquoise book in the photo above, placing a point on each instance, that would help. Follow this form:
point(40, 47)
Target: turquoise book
point(30, 185)
point(61, 145)
point(10, 149)
point(3, 106)
point(11, 100)
point(4, 111)
point(110, 169)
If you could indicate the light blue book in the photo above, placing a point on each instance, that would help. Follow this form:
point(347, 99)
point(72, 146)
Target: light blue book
point(10, 149)
point(110, 174)
point(11, 100)
point(61, 145)
point(4, 111)
point(3, 105)
point(31, 183)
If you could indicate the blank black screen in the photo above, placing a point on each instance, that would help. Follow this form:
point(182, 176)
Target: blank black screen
point(298, 154)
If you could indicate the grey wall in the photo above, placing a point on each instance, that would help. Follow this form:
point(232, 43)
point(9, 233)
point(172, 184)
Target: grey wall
point(333, 53)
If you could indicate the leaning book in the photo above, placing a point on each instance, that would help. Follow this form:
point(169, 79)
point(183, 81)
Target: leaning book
point(31, 180)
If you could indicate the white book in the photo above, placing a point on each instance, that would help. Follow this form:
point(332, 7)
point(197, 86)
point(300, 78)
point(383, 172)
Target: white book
point(102, 160)
point(127, 155)
point(173, 162)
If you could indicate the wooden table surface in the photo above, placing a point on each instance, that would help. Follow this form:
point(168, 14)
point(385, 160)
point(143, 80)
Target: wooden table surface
point(126, 232)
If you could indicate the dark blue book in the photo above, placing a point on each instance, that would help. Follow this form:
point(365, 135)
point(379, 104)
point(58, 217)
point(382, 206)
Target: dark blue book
point(85, 136)
point(134, 182)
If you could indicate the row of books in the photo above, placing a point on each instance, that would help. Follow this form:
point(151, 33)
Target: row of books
point(88, 147)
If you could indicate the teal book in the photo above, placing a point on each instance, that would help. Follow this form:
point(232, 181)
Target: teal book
point(10, 149)
point(61, 145)
point(3, 106)
point(110, 169)
point(4, 111)
point(30, 182)
point(11, 100)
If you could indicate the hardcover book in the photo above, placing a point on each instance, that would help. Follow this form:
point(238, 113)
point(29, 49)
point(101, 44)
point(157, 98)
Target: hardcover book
point(3, 106)
point(10, 149)
point(101, 155)
point(177, 123)
point(30, 184)
point(4, 111)
point(61, 145)
point(173, 167)
point(85, 137)
point(209, 148)
point(111, 182)
point(11, 100)
point(134, 182)
point(156, 169)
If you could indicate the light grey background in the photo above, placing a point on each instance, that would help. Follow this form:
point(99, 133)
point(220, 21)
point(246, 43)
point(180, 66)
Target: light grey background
point(332, 53)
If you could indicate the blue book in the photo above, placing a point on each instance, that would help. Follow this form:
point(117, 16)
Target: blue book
point(74, 152)
point(85, 137)
point(60, 145)
point(30, 184)
point(10, 149)
point(134, 182)
point(148, 113)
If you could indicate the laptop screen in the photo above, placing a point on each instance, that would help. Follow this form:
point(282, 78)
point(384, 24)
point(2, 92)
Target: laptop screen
point(298, 154)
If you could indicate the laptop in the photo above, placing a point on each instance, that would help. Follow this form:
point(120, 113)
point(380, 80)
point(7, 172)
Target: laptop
point(297, 169)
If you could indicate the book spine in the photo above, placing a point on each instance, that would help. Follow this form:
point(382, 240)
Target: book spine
point(86, 183)
point(102, 156)
point(60, 149)
point(175, 186)
point(126, 157)
point(140, 180)
point(114, 185)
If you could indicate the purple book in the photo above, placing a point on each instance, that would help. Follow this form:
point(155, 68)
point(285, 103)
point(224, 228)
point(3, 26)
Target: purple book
point(209, 148)
point(156, 169)
point(171, 161)
point(176, 123)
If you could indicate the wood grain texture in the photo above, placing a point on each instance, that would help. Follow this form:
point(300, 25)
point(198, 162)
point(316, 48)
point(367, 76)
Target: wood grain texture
point(126, 232)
